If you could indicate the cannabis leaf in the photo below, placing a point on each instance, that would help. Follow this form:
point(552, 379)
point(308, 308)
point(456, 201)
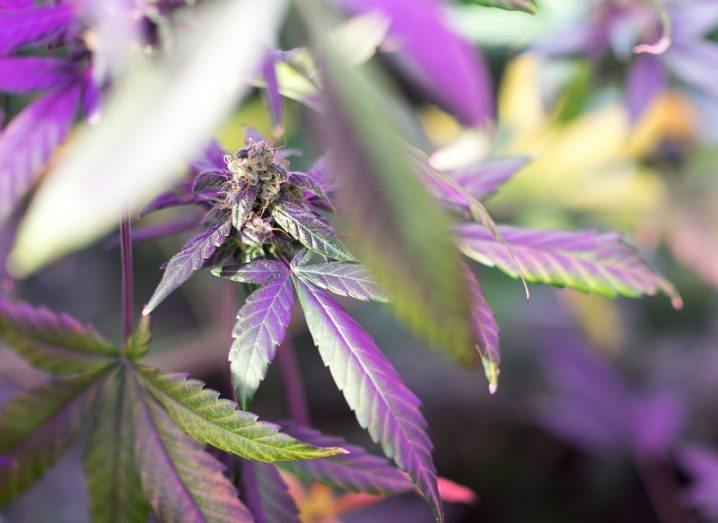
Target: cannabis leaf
point(345, 279)
point(37, 426)
point(30, 26)
point(372, 388)
point(484, 179)
point(311, 231)
point(357, 471)
point(257, 271)
point(181, 481)
point(53, 342)
point(266, 494)
point(190, 258)
point(528, 6)
point(486, 330)
point(217, 422)
point(586, 261)
point(110, 467)
point(260, 327)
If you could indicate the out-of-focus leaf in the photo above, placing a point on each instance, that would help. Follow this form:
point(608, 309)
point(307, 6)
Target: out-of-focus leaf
point(358, 471)
point(486, 330)
point(190, 259)
point(397, 229)
point(181, 481)
point(217, 422)
point(645, 83)
point(358, 38)
point(26, 74)
point(27, 143)
point(315, 234)
point(144, 135)
point(372, 388)
point(53, 342)
point(33, 25)
point(266, 494)
point(528, 6)
point(37, 425)
point(345, 279)
point(485, 178)
point(260, 327)
point(457, 76)
point(586, 260)
point(701, 466)
point(112, 477)
point(138, 345)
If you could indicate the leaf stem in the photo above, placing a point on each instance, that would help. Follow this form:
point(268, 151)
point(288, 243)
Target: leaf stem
point(293, 384)
point(127, 300)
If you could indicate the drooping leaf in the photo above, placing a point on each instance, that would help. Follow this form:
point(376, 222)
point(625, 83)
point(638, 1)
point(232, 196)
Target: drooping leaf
point(112, 477)
point(37, 426)
point(181, 481)
point(306, 227)
point(188, 260)
point(139, 145)
point(53, 342)
point(486, 330)
point(528, 6)
point(357, 471)
point(396, 227)
point(586, 261)
point(217, 422)
point(138, 345)
point(257, 271)
point(372, 388)
point(27, 143)
point(345, 279)
point(27, 74)
point(266, 494)
point(260, 327)
point(31, 26)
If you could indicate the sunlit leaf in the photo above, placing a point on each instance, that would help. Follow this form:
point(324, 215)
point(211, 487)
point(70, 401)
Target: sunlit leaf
point(217, 422)
point(180, 480)
point(145, 134)
point(372, 388)
point(344, 279)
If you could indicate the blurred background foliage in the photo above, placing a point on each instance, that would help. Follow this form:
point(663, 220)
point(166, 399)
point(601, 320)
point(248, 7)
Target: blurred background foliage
point(654, 180)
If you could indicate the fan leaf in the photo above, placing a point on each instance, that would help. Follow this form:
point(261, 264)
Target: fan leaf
point(266, 494)
point(217, 422)
point(138, 345)
point(486, 330)
point(586, 260)
point(357, 471)
point(260, 327)
point(372, 388)
point(181, 481)
point(191, 258)
point(37, 426)
point(306, 227)
point(257, 271)
point(112, 477)
point(344, 279)
point(53, 342)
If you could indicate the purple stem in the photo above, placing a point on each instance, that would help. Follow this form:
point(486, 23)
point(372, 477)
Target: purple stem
point(293, 384)
point(128, 312)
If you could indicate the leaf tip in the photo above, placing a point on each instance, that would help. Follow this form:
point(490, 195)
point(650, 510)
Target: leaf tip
point(492, 371)
point(147, 310)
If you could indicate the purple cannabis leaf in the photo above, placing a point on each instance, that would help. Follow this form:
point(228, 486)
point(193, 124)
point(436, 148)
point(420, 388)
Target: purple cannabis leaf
point(457, 76)
point(260, 327)
point(310, 230)
point(344, 279)
point(257, 271)
point(357, 471)
point(190, 258)
point(586, 260)
point(266, 494)
point(372, 388)
point(53, 342)
point(486, 330)
point(26, 26)
point(484, 179)
point(23, 75)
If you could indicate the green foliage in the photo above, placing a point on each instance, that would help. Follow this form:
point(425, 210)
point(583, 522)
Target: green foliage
point(138, 345)
point(112, 477)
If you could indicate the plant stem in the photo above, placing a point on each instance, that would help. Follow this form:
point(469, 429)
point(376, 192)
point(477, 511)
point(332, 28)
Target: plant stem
point(293, 384)
point(128, 310)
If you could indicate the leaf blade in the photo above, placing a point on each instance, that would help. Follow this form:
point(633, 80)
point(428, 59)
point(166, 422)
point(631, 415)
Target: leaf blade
point(344, 279)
